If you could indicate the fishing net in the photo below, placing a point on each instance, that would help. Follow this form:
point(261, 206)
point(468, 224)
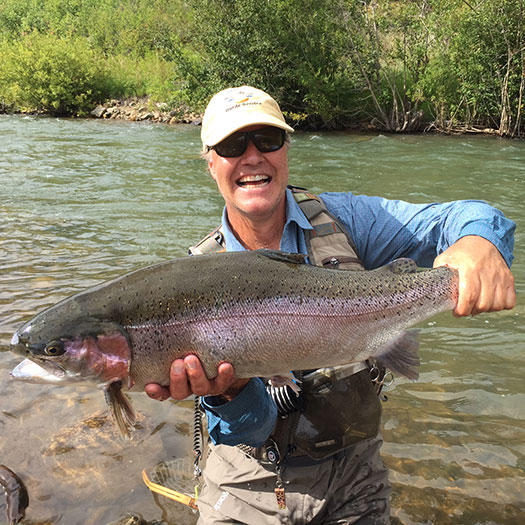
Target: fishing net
point(175, 480)
point(178, 480)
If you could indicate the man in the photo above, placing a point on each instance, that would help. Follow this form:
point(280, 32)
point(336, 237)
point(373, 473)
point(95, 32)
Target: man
point(283, 480)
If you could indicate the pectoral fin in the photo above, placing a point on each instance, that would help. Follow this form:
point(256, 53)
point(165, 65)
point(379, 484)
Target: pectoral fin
point(120, 408)
point(401, 355)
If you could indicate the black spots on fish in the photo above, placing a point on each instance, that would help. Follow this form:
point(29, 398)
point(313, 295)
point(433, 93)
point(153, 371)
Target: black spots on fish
point(151, 337)
point(223, 341)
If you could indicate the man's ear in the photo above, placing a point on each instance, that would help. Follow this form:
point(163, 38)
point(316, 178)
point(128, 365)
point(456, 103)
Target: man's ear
point(211, 169)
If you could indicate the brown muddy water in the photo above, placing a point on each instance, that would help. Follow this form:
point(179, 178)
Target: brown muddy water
point(85, 200)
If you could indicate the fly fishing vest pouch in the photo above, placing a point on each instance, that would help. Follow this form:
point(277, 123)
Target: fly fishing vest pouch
point(341, 407)
point(338, 406)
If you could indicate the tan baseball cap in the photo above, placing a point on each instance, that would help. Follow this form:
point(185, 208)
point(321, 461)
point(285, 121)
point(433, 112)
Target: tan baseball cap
point(235, 108)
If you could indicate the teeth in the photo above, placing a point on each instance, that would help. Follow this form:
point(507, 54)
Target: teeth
point(252, 178)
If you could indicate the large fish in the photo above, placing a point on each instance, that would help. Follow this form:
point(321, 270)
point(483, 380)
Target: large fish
point(264, 311)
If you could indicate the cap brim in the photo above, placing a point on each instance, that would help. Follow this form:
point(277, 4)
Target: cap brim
point(251, 119)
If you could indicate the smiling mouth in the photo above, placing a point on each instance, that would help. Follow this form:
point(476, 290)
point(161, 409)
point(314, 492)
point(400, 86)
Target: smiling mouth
point(254, 181)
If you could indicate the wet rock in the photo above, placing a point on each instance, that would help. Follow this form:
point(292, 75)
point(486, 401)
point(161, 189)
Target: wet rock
point(134, 519)
point(98, 112)
point(85, 452)
point(145, 115)
point(140, 110)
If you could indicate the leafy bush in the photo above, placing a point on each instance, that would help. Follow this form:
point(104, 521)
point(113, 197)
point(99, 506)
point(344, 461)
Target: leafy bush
point(133, 27)
point(150, 76)
point(476, 72)
point(289, 48)
point(59, 76)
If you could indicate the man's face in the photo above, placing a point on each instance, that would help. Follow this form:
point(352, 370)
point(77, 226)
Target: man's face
point(253, 184)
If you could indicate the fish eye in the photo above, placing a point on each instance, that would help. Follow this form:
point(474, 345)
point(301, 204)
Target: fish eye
point(54, 348)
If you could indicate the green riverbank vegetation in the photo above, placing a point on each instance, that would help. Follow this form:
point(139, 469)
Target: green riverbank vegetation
point(447, 65)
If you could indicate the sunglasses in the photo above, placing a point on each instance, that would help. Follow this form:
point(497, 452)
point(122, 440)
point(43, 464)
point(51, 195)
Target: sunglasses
point(266, 140)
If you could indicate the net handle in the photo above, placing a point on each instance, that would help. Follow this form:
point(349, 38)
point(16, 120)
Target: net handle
point(169, 493)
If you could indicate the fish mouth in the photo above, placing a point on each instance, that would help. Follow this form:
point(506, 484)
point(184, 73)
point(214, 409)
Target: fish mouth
point(38, 372)
point(254, 181)
point(34, 369)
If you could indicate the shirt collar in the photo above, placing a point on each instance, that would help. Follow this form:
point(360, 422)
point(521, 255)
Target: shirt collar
point(294, 213)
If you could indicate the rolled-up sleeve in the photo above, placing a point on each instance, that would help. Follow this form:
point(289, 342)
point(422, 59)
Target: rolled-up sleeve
point(248, 418)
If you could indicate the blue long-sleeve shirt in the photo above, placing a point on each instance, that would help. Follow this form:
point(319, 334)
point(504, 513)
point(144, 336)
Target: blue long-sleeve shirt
point(382, 230)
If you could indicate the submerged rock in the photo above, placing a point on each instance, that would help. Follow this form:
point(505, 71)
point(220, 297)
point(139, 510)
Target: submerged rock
point(134, 519)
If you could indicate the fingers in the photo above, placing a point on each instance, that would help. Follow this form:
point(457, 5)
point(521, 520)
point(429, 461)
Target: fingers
point(469, 290)
point(485, 291)
point(187, 377)
point(199, 384)
point(510, 295)
point(179, 384)
point(225, 378)
point(486, 283)
point(156, 391)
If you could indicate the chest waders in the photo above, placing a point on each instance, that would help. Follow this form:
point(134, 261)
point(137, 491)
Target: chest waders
point(338, 406)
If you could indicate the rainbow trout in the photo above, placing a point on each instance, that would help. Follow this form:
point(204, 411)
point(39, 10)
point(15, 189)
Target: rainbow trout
point(264, 311)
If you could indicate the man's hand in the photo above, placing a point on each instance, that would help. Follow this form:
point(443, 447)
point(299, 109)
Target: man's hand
point(486, 283)
point(188, 377)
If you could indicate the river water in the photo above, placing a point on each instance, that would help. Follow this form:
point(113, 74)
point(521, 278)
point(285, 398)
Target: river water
point(85, 200)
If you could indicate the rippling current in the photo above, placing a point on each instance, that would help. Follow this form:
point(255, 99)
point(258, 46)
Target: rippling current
point(85, 200)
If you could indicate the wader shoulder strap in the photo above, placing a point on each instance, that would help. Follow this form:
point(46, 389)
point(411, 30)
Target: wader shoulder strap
point(328, 243)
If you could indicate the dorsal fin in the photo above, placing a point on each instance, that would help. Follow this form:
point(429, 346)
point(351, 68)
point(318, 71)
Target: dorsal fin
point(399, 266)
point(295, 258)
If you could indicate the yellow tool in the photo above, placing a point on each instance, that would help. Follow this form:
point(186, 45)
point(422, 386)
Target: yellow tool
point(174, 479)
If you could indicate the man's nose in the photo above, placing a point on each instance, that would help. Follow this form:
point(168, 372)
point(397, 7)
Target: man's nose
point(252, 154)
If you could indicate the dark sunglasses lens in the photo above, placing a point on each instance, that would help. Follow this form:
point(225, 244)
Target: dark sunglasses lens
point(269, 139)
point(265, 140)
point(232, 146)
